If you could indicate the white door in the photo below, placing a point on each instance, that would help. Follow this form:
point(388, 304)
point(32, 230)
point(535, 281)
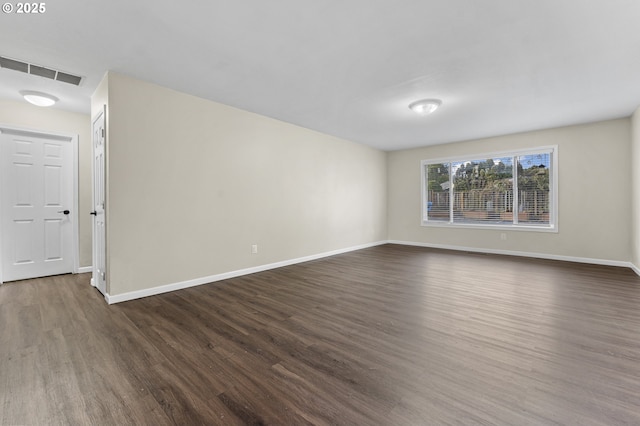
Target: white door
point(99, 231)
point(36, 205)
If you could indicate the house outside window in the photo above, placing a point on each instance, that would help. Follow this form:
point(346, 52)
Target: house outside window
point(514, 190)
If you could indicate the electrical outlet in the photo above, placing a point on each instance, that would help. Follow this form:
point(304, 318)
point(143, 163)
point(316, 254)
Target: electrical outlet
point(503, 236)
point(254, 249)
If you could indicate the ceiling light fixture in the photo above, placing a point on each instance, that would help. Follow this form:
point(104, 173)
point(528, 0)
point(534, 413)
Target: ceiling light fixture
point(425, 106)
point(38, 98)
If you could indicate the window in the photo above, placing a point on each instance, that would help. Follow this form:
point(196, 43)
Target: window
point(511, 190)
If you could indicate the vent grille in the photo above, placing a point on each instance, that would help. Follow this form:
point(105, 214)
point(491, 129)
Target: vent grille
point(68, 78)
point(42, 72)
point(13, 64)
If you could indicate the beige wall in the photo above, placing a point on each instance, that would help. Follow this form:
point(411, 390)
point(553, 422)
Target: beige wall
point(594, 186)
point(193, 184)
point(22, 114)
point(635, 187)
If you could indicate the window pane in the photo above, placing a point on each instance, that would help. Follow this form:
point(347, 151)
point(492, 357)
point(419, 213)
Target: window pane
point(437, 208)
point(483, 191)
point(533, 188)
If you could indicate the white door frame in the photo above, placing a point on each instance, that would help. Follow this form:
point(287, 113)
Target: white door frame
point(73, 139)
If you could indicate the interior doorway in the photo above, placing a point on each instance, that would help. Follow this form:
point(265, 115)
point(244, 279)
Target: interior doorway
point(38, 204)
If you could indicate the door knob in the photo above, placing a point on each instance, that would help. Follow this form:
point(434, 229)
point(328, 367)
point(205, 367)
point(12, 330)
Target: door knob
point(95, 213)
point(64, 211)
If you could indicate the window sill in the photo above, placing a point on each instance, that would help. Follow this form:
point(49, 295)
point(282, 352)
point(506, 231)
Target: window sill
point(500, 227)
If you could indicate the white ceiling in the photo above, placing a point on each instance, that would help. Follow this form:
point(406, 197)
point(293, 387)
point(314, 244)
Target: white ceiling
point(349, 68)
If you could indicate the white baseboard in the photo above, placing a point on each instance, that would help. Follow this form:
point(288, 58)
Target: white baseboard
point(605, 262)
point(84, 269)
point(117, 298)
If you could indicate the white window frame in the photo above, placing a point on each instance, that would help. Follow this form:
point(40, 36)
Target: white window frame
point(552, 150)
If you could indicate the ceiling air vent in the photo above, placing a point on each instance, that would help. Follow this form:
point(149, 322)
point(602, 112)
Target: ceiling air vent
point(32, 69)
point(14, 65)
point(68, 78)
point(42, 72)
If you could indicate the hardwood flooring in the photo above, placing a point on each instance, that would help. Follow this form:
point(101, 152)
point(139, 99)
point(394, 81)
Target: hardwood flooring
point(390, 335)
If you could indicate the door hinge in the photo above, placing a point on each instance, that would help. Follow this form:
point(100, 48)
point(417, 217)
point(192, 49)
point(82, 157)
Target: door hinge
point(103, 132)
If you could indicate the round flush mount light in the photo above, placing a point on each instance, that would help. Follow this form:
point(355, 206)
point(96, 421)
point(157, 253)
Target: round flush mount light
point(38, 98)
point(425, 106)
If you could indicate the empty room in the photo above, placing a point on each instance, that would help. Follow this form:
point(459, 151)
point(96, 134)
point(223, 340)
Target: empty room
point(295, 212)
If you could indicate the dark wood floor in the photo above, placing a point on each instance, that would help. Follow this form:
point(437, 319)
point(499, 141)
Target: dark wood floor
point(390, 335)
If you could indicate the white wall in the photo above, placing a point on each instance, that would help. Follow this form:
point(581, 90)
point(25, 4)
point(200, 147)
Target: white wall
point(192, 184)
point(635, 188)
point(25, 115)
point(594, 190)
